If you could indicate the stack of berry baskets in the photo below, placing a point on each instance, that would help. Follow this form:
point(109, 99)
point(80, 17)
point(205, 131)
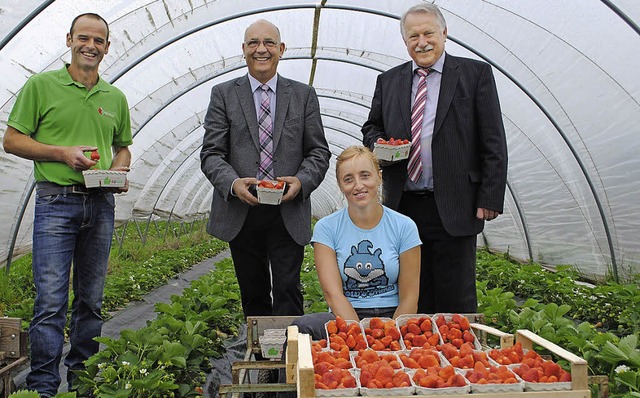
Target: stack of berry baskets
point(537, 373)
point(272, 343)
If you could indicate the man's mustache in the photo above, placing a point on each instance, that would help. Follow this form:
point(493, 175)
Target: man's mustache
point(423, 49)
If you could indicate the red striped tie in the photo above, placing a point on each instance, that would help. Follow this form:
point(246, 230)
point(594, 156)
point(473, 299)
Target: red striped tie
point(414, 168)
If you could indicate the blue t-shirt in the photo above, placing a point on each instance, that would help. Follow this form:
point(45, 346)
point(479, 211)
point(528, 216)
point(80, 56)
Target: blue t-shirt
point(368, 259)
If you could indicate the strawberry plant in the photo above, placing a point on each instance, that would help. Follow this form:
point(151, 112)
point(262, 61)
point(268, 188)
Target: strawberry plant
point(610, 306)
point(135, 268)
point(625, 360)
point(312, 292)
point(169, 357)
point(585, 319)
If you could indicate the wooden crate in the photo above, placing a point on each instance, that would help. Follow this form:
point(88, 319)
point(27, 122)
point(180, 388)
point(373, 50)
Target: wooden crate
point(299, 366)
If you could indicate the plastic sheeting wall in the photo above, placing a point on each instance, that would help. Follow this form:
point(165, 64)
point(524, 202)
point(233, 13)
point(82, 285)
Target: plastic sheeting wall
point(566, 73)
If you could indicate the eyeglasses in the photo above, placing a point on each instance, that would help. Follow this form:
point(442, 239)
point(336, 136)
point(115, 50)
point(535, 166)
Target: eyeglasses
point(253, 44)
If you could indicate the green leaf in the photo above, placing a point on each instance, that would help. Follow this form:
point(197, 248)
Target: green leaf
point(626, 351)
point(129, 357)
point(612, 354)
point(628, 344)
point(539, 324)
point(167, 308)
point(630, 379)
point(174, 353)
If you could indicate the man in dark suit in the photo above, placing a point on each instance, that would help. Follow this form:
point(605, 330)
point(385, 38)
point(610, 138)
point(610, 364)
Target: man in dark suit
point(455, 179)
point(266, 241)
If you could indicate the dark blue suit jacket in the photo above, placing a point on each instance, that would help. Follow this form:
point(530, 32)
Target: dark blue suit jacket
point(468, 148)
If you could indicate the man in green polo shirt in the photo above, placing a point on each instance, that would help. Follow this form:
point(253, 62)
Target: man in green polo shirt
point(60, 117)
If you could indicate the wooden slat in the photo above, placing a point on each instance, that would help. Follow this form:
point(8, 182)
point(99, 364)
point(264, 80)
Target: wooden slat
point(306, 379)
point(506, 339)
point(253, 388)
point(10, 337)
point(579, 371)
point(292, 354)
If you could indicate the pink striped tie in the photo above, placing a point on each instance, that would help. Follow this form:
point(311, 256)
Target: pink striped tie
point(265, 170)
point(414, 168)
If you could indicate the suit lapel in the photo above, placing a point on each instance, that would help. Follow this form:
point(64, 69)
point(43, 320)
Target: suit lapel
point(404, 93)
point(283, 95)
point(245, 96)
point(448, 84)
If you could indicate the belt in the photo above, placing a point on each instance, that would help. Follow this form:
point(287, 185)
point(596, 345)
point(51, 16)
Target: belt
point(47, 188)
point(425, 193)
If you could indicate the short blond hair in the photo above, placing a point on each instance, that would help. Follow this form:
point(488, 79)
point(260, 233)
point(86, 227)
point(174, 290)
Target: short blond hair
point(354, 151)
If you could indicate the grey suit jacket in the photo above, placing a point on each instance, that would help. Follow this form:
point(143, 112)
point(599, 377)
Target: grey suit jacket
point(231, 150)
point(469, 147)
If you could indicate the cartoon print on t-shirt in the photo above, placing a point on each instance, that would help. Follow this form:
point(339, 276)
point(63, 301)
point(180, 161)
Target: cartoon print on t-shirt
point(365, 272)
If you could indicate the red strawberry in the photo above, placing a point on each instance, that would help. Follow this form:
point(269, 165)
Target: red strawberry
point(95, 156)
point(266, 184)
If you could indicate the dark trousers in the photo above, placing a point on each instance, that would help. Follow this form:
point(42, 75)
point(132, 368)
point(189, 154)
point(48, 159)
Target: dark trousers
point(267, 262)
point(448, 263)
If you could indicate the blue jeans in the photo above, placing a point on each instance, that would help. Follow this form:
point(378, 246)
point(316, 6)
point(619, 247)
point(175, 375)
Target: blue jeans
point(68, 229)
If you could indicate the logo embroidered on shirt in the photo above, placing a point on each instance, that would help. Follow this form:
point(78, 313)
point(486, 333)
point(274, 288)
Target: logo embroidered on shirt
point(106, 113)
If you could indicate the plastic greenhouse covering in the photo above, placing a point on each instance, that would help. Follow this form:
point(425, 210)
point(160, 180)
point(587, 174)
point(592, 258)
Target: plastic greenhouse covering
point(567, 75)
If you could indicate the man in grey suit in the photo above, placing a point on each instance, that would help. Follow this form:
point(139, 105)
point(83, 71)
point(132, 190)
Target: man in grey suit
point(266, 241)
point(455, 179)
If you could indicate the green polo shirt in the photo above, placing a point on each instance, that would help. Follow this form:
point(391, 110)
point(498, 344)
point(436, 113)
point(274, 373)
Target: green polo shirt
point(54, 109)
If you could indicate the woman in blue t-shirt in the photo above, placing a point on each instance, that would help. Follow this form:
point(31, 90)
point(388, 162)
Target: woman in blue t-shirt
point(367, 256)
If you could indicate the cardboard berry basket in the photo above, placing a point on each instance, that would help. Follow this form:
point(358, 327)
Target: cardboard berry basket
point(270, 196)
point(403, 354)
point(348, 324)
point(448, 318)
point(390, 355)
point(341, 392)
point(391, 153)
point(272, 343)
point(402, 320)
point(300, 367)
point(366, 323)
point(542, 386)
point(104, 178)
point(438, 391)
point(489, 387)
